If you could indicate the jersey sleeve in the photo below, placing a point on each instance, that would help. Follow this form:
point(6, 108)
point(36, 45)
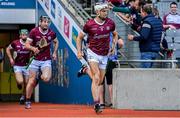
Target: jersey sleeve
point(53, 35)
point(164, 19)
point(12, 45)
point(86, 27)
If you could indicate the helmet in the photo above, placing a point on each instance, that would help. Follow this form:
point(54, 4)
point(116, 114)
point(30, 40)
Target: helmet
point(24, 31)
point(100, 6)
point(44, 18)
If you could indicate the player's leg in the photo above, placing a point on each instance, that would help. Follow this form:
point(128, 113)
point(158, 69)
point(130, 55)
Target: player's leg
point(101, 88)
point(102, 68)
point(85, 69)
point(93, 60)
point(18, 76)
point(20, 81)
point(33, 68)
point(101, 95)
point(82, 70)
point(95, 85)
point(109, 83)
point(110, 94)
point(95, 72)
point(109, 76)
point(25, 81)
point(46, 73)
point(46, 70)
point(29, 88)
point(20, 84)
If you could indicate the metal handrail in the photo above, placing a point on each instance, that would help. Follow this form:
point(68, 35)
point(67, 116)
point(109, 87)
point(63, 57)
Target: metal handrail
point(77, 11)
point(68, 8)
point(173, 62)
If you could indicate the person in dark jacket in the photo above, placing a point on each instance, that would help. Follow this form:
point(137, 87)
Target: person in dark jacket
point(133, 10)
point(150, 36)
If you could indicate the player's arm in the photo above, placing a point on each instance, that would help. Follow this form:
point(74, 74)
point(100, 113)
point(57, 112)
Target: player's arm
point(121, 9)
point(79, 45)
point(124, 17)
point(30, 47)
point(115, 38)
point(8, 52)
point(56, 44)
point(120, 42)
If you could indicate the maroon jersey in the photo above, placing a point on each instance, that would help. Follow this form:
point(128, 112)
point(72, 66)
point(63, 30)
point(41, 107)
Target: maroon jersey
point(38, 39)
point(23, 55)
point(172, 19)
point(99, 35)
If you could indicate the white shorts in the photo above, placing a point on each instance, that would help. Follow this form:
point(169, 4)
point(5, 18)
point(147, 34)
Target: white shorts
point(21, 69)
point(101, 60)
point(36, 65)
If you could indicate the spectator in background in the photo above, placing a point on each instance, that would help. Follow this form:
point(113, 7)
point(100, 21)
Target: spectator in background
point(150, 36)
point(156, 14)
point(133, 11)
point(164, 44)
point(165, 52)
point(172, 19)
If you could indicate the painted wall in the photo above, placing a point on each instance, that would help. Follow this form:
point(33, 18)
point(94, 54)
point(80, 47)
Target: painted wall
point(146, 89)
point(64, 86)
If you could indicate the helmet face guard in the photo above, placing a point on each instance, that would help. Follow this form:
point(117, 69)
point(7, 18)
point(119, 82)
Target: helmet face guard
point(42, 18)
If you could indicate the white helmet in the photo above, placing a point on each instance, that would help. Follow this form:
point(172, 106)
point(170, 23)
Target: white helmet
point(100, 6)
